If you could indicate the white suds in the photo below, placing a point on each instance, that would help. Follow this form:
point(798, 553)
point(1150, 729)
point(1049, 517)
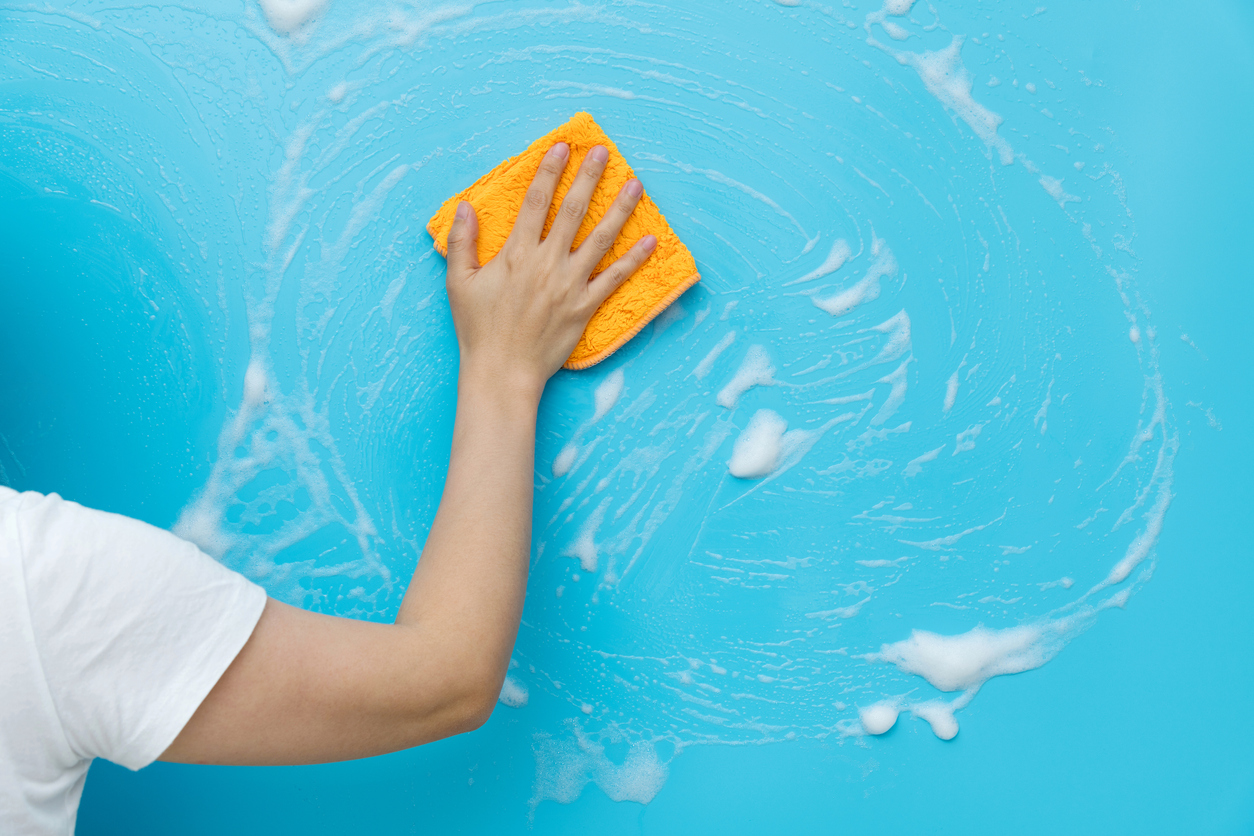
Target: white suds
point(896, 396)
point(894, 31)
point(1054, 186)
point(756, 370)
point(939, 715)
point(1143, 543)
point(916, 464)
point(286, 16)
point(563, 460)
point(948, 540)
point(707, 362)
point(584, 546)
point(867, 289)
point(607, 393)
point(836, 259)
point(878, 718)
point(966, 661)
point(604, 398)
point(764, 444)
point(945, 77)
point(965, 440)
point(513, 693)
point(951, 391)
point(565, 767)
point(256, 382)
point(897, 327)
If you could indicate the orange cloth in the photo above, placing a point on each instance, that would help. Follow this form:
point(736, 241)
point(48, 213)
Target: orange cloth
point(498, 195)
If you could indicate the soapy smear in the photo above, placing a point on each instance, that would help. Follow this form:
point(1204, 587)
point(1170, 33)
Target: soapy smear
point(566, 766)
point(945, 77)
point(584, 547)
point(765, 444)
point(836, 258)
point(755, 370)
point(823, 494)
point(867, 289)
point(513, 692)
point(707, 362)
point(758, 448)
point(607, 394)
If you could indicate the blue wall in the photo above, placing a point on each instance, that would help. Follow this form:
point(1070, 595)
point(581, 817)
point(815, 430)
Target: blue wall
point(186, 192)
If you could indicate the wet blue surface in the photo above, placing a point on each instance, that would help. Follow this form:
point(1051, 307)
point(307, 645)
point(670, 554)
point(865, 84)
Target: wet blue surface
point(128, 323)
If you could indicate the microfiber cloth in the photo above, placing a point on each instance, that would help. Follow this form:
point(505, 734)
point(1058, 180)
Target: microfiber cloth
point(498, 196)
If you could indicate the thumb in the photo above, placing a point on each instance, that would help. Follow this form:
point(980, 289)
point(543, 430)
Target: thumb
point(463, 241)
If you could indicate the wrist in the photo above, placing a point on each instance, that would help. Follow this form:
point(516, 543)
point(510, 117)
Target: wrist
point(500, 382)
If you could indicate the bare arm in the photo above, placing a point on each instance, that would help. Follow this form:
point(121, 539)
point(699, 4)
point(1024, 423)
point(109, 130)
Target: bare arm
point(307, 687)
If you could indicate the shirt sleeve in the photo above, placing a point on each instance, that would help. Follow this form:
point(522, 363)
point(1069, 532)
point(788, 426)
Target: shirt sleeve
point(134, 626)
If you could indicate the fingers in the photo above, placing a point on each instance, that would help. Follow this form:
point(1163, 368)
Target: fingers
point(575, 204)
point(463, 241)
point(535, 208)
point(609, 279)
point(603, 236)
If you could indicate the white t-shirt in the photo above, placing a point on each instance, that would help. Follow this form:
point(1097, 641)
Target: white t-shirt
point(112, 632)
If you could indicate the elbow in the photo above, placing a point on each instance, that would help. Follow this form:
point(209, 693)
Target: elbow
point(473, 704)
point(475, 711)
point(479, 710)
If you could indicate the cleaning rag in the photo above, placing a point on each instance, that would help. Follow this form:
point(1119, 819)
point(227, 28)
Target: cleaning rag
point(498, 196)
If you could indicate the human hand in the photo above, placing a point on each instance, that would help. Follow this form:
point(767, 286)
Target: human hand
point(519, 317)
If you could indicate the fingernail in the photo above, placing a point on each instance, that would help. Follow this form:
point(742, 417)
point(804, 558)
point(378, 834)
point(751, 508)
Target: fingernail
point(599, 154)
point(560, 150)
point(649, 241)
point(633, 188)
point(463, 211)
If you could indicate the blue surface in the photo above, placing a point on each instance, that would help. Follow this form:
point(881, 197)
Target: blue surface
point(143, 192)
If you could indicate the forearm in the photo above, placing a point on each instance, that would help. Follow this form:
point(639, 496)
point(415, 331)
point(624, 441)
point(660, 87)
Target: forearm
point(470, 582)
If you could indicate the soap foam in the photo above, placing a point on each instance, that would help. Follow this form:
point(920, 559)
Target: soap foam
point(564, 459)
point(514, 692)
point(897, 380)
point(584, 546)
point(607, 394)
point(968, 660)
point(755, 370)
point(836, 258)
point(939, 715)
point(943, 74)
point(867, 289)
point(1053, 186)
point(757, 450)
point(707, 362)
point(565, 766)
point(951, 392)
point(287, 16)
point(915, 466)
point(879, 717)
point(764, 448)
